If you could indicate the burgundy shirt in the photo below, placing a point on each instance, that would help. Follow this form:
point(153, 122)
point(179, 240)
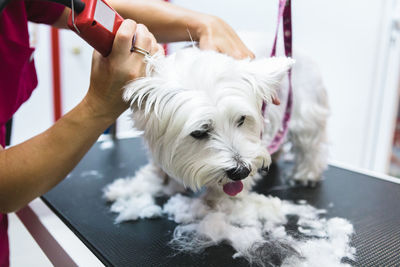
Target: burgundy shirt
point(17, 70)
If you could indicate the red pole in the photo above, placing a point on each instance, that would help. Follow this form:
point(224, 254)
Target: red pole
point(165, 46)
point(55, 52)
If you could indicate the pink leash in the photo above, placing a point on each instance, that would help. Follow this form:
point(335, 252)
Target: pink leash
point(286, 14)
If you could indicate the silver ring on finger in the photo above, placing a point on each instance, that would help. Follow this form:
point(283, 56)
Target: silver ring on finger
point(140, 51)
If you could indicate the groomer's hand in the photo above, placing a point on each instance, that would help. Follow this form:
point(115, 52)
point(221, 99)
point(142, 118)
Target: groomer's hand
point(109, 74)
point(216, 34)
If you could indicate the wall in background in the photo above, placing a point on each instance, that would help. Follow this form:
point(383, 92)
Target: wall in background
point(349, 40)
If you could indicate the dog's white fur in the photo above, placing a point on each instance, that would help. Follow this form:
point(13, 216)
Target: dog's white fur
point(204, 91)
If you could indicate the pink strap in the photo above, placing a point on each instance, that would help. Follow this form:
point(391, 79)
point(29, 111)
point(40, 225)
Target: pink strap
point(285, 14)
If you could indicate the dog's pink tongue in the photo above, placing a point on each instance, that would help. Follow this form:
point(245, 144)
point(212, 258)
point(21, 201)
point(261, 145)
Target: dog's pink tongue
point(233, 188)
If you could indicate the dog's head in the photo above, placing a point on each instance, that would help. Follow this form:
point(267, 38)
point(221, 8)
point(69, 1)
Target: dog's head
point(200, 112)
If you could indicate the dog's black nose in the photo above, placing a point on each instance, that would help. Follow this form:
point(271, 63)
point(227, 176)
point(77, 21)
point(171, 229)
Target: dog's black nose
point(238, 173)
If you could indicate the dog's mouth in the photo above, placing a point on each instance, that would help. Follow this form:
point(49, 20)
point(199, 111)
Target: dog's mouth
point(233, 188)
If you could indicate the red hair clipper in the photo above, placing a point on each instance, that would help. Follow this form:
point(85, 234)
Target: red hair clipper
point(96, 22)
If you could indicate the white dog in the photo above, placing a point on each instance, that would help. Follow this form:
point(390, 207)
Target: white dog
point(201, 115)
point(200, 112)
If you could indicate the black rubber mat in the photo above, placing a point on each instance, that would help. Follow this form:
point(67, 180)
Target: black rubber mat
point(370, 204)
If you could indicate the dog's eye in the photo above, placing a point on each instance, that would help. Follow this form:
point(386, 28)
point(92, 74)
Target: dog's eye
point(241, 121)
point(199, 134)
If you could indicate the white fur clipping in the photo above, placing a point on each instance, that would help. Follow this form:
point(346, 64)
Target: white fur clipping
point(253, 224)
point(134, 198)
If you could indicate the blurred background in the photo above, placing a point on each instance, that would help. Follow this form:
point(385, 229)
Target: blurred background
point(356, 45)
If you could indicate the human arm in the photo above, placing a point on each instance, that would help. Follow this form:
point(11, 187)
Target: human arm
point(171, 23)
point(30, 169)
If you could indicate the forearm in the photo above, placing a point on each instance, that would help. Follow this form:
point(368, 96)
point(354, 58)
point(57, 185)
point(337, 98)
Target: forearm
point(171, 23)
point(30, 169)
point(168, 23)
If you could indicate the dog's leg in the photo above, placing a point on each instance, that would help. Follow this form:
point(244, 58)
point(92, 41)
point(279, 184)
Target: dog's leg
point(170, 185)
point(163, 175)
point(307, 134)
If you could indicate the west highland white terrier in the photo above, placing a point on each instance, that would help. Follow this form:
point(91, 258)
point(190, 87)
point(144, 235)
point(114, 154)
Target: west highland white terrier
point(201, 116)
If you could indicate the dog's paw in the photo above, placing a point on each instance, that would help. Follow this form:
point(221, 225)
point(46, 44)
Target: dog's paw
point(304, 183)
point(305, 177)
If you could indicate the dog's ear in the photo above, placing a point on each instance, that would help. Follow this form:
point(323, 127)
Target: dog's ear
point(150, 94)
point(146, 93)
point(141, 94)
point(265, 75)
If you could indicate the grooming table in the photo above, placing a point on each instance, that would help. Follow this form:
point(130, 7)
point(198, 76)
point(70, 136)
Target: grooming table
point(369, 203)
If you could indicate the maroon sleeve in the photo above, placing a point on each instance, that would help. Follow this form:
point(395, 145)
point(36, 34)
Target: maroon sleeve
point(43, 11)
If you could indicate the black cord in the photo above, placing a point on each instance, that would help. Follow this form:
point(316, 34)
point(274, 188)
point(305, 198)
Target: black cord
point(8, 132)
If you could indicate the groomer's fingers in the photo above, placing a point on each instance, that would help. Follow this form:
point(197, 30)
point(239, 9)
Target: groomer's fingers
point(144, 39)
point(160, 48)
point(123, 39)
point(220, 37)
point(208, 44)
point(154, 46)
point(276, 100)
